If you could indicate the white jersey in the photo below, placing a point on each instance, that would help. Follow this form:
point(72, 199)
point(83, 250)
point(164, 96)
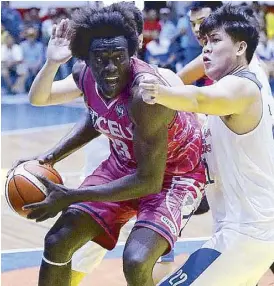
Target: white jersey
point(241, 176)
point(255, 67)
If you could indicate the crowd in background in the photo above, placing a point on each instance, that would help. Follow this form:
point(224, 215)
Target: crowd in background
point(168, 40)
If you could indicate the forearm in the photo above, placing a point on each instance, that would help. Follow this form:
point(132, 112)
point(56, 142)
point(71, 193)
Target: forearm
point(126, 188)
point(184, 98)
point(192, 71)
point(41, 87)
point(82, 133)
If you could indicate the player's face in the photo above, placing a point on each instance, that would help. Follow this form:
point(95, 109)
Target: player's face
point(219, 54)
point(196, 18)
point(110, 64)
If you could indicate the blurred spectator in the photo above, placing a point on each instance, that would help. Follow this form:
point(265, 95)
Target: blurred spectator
point(54, 17)
point(269, 18)
point(33, 52)
point(265, 51)
point(260, 11)
point(151, 27)
point(32, 20)
point(168, 29)
point(159, 53)
point(13, 71)
point(11, 20)
point(189, 44)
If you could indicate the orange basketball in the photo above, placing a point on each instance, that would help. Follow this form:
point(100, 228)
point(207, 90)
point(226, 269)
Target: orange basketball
point(22, 187)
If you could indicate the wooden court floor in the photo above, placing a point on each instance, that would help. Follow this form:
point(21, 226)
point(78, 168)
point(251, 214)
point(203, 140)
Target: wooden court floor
point(18, 233)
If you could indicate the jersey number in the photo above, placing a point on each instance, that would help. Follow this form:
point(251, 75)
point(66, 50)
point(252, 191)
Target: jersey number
point(182, 278)
point(121, 148)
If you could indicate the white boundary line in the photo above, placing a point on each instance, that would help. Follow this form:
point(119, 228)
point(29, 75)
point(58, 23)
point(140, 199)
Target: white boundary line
point(118, 244)
point(36, 129)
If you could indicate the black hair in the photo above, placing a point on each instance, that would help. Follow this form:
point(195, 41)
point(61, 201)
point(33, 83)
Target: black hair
point(136, 14)
point(239, 22)
point(88, 24)
point(197, 5)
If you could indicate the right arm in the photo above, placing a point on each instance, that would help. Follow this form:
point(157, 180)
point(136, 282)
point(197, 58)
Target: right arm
point(193, 71)
point(44, 91)
point(82, 133)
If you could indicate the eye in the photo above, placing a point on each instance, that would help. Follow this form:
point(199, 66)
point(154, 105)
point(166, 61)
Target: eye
point(215, 40)
point(204, 42)
point(120, 57)
point(98, 60)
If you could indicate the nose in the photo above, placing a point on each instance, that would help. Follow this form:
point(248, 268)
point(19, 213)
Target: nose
point(196, 28)
point(111, 67)
point(207, 48)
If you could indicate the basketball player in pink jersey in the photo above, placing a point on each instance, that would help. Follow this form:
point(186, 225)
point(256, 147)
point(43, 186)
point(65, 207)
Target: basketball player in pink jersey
point(88, 257)
point(154, 170)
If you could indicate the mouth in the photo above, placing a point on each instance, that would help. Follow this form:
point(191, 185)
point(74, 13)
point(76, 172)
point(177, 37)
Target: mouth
point(206, 59)
point(112, 80)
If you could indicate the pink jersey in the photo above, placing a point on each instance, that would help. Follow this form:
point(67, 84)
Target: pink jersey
point(111, 118)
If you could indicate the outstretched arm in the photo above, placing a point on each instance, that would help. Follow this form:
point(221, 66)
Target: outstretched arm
point(230, 95)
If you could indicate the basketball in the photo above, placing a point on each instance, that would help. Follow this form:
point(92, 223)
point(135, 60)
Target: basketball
point(22, 186)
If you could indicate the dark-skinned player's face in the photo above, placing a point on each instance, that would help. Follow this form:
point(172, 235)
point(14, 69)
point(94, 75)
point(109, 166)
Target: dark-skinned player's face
point(110, 64)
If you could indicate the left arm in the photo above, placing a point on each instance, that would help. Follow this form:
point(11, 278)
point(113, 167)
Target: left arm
point(150, 139)
point(230, 95)
point(150, 149)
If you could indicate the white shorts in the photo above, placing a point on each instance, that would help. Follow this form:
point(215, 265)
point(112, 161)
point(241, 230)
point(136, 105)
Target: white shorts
point(227, 259)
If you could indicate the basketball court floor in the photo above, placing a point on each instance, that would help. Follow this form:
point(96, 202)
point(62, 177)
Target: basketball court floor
point(28, 131)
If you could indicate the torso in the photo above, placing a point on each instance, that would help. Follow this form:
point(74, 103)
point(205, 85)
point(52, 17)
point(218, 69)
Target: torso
point(241, 175)
point(112, 118)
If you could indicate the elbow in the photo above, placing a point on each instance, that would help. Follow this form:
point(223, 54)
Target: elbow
point(36, 101)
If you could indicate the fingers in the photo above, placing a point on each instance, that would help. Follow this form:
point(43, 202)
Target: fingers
point(47, 183)
point(69, 31)
point(46, 160)
point(148, 86)
point(35, 207)
point(53, 32)
point(150, 92)
point(61, 30)
point(36, 214)
point(45, 217)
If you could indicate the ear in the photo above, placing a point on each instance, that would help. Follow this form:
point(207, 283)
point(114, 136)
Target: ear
point(242, 46)
point(141, 39)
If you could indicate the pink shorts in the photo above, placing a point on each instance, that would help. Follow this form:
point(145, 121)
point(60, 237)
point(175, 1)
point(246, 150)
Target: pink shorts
point(164, 212)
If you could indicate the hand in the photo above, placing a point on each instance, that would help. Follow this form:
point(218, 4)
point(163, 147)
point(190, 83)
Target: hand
point(58, 198)
point(150, 91)
point(42, 159)
point(58, 51)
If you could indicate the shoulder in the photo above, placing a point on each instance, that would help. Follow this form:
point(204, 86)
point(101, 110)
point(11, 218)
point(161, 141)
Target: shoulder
point(76, 70)
point(172, 78)
point(239, 85)
point(145, 114)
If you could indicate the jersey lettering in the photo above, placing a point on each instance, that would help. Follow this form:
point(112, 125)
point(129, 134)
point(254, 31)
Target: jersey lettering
point(209, 180)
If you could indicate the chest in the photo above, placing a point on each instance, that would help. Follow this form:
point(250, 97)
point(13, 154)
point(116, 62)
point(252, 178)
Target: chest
point(112, 119)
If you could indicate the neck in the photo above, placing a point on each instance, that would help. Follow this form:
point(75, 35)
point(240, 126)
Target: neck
point(237, 69)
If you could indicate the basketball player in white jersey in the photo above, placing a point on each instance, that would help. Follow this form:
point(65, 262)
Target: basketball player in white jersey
point(239, 154)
